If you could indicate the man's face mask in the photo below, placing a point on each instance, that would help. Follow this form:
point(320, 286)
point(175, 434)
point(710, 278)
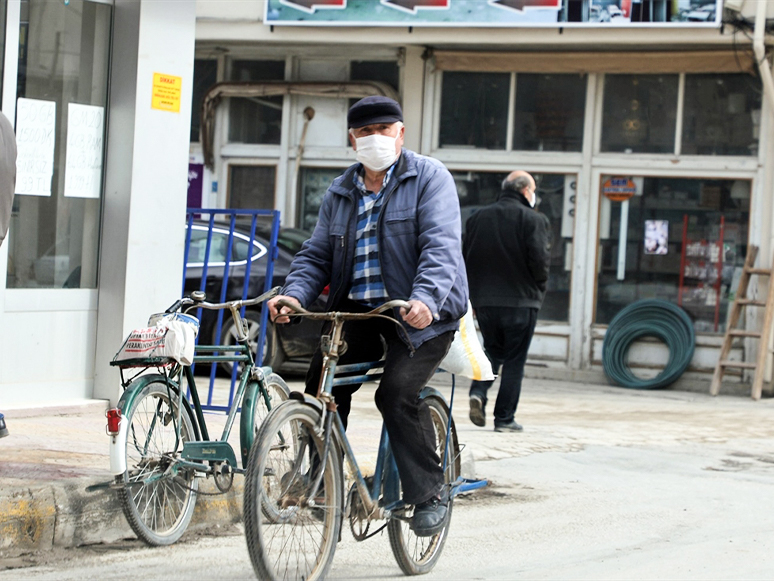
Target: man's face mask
point(376, 151)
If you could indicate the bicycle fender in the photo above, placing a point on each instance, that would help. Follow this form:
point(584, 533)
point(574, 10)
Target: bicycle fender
point(428, 391)
point(117, 453)
point(247, 419)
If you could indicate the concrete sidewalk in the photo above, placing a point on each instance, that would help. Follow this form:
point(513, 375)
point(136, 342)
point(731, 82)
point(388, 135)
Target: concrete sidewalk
point(52, 455)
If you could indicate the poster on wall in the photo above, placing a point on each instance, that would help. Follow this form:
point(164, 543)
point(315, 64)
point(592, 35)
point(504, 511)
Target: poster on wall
point(195, 184)
point(35, 140)
point(83, 162)
point(656, 236)
point(494, 13)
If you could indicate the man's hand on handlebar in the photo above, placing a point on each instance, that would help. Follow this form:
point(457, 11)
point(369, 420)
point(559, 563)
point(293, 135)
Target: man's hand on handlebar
point(419, 316)
point(280, 315)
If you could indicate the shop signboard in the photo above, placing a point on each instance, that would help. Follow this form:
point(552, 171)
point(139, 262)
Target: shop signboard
point(494, 13)
point(618, 189)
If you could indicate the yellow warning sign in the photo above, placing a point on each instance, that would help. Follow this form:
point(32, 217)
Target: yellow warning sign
point(166, 92)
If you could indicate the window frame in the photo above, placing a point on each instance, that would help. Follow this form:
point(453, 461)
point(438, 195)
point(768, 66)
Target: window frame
point(634, 157)
point(451, 155)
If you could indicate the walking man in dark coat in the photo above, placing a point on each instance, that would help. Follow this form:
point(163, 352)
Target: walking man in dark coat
point(506, 251)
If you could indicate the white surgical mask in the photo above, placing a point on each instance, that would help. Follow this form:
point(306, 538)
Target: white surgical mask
point(376, 151)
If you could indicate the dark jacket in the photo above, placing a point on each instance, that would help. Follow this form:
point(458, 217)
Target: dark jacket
point(507, 254)
point(419, 244)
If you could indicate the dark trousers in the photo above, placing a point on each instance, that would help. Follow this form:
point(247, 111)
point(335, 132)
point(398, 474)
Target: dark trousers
point(507, 334)
point(406, 417)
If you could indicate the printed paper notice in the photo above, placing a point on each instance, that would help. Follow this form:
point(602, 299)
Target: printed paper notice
point(35, 138)
point(166, 92)
point(83, 163)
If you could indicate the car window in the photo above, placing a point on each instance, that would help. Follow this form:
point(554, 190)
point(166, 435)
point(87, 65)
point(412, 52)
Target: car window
point(219, 247)
point(292, 240)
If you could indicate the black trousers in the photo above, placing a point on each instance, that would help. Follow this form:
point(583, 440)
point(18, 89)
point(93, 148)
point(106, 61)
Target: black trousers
point(406, 417)
point(507, 335)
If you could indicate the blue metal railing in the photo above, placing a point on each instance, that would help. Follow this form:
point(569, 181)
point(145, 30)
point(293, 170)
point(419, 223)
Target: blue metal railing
point(243, 224)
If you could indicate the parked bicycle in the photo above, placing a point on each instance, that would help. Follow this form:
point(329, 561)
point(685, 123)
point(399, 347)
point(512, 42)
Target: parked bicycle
point(160, 445)
point(294, 501)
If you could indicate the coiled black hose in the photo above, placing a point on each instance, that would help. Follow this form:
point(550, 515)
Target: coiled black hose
point(648, 318)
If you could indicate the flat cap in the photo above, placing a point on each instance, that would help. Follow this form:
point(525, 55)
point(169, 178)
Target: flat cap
point(375, 109)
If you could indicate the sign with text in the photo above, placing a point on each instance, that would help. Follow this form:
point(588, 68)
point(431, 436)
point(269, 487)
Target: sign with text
point(166, 92)
point(83, 163)
point(619, 189)
point(35, 140)
point(494, 13)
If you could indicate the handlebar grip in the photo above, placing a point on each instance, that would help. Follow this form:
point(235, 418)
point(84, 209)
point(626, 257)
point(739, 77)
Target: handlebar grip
point(175, 306)
point(292, 306)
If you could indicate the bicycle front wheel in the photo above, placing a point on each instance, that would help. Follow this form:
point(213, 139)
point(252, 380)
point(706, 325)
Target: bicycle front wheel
point(417, 555)
point(295, 536)
point(157, 498)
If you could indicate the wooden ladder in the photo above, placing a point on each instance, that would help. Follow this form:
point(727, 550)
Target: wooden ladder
point(732, 332)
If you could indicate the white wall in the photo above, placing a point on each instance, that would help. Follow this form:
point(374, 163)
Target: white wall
point(146, 175)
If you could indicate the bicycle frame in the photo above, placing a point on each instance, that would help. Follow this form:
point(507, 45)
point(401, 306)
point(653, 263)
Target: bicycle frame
point(331, 422)
point(201, 453)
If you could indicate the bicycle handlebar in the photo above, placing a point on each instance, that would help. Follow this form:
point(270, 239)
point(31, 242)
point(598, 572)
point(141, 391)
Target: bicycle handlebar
point(329, 316)
point(191, 303)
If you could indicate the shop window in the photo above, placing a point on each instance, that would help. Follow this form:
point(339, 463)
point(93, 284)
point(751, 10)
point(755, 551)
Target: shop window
point(381, 71)
point(556, 199)
point(251, 187)
point(205, 75)
point(60, 119)
point(639, 113)
point(549, 112)
point(681, 240)
point(313, 183)
point(474, 110)
point(722, 114)
point(256, 119)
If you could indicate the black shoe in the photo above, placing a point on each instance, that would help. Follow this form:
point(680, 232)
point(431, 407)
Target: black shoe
point(3, 428)
point(477, 415)
point(430, 516)
point(511, 426)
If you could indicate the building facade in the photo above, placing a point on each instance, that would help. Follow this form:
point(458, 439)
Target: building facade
point(650, 142)
point(647, 127)
point(101, 171)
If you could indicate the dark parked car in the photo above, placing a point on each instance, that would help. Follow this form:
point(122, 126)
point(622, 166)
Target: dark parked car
point(287, 347)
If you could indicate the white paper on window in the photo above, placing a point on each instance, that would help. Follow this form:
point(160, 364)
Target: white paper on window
point(35, 138)
point(83, 163)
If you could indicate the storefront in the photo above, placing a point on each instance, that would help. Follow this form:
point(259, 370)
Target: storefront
point(651, 149)
point(101, 165)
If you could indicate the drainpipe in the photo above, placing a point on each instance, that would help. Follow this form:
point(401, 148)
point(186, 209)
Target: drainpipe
point(768, 90)
point(760, 53)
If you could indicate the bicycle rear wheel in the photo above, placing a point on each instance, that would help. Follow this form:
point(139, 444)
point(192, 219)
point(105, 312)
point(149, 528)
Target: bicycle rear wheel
point(157, 499)
point(297, 538)
point(417, 555)
point(277, 391)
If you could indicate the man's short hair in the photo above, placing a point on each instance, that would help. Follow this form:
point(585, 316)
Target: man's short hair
point(517, 184)
point(374, 109)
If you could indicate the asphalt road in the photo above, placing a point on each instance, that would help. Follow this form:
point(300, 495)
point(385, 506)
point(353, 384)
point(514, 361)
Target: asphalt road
point(602, 484)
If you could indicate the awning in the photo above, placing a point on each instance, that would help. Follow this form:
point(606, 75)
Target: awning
point(644, 62)
point(346, 90)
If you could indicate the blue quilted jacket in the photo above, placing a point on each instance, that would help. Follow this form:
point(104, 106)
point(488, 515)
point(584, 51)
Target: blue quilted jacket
point(419, 244)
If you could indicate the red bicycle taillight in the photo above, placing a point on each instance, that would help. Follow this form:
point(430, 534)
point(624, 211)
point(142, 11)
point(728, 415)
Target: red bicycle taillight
point(113, 420)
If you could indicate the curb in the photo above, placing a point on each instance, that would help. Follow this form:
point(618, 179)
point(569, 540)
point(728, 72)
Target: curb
point(41, 518)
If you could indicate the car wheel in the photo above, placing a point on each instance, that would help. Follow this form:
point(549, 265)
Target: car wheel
point(272, 353)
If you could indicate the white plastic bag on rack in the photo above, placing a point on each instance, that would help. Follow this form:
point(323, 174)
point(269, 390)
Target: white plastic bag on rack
point(168, 335)
point(466, 357)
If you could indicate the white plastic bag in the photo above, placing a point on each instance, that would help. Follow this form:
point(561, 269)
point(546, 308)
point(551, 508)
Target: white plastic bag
point(466, 357)
point(172, 336)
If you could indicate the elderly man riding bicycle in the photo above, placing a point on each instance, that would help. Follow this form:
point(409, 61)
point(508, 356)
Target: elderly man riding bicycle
point(389, 228)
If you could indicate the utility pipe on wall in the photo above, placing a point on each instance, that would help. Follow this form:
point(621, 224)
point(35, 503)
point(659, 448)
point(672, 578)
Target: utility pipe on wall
point(759, 48)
